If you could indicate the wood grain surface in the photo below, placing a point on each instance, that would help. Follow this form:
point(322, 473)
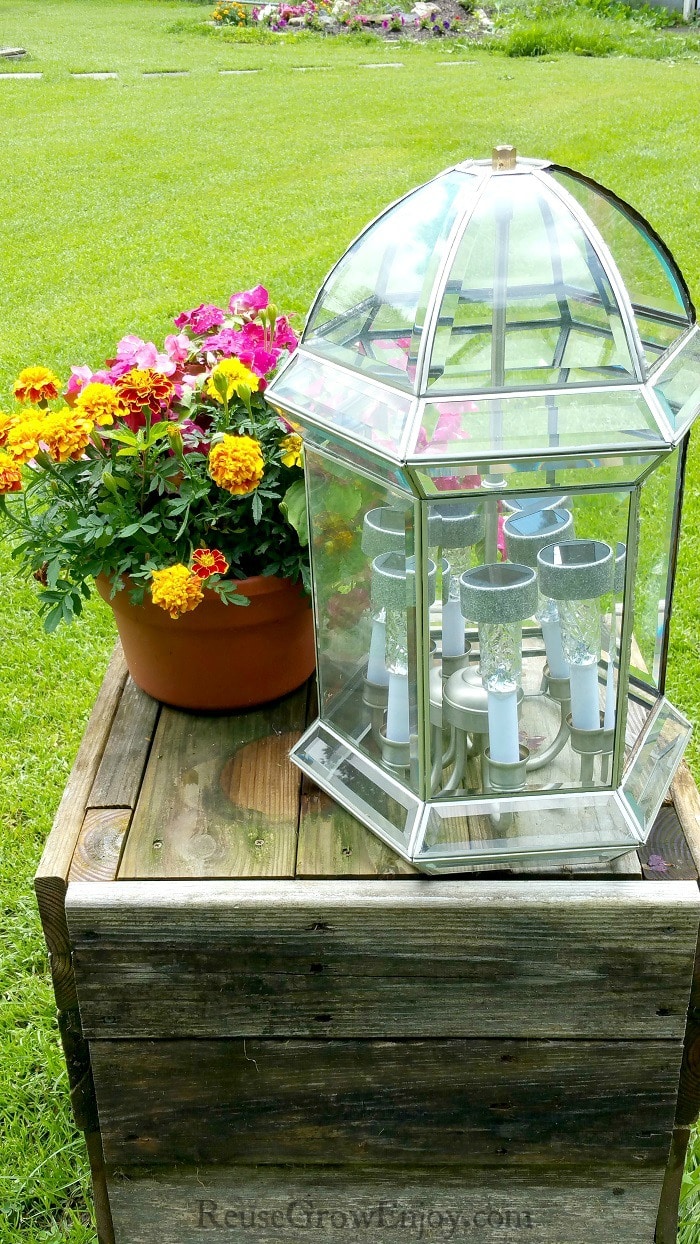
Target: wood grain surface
point(434, 1103)
point(412, 959)
point(220, 797)
point(284, 1205)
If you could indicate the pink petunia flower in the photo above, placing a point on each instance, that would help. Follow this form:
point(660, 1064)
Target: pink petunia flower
point(249, 301)
point(200, 319)
point(177, 347)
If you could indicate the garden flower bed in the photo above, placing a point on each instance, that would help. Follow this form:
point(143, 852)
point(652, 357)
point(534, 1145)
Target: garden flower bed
point(425, 20)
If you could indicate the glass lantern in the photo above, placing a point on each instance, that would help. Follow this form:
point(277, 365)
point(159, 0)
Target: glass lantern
point(495, 388)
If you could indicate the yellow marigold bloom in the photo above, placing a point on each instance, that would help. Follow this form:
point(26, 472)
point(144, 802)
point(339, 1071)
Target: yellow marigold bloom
point(36, 384)
point(100, 402)
point(236, 464)
point(237, 376)
point(176, 589)
point(6, 422)
point(10, 474)
point(22, 441)
point(291, 447)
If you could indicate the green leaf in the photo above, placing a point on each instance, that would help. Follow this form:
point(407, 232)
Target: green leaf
point(293, 506)
point(257, 508)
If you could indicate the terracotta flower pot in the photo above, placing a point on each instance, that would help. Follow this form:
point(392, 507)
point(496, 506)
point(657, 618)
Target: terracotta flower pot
point(219, 656)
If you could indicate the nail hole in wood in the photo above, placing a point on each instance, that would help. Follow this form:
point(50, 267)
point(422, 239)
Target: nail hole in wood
point(323, 1019)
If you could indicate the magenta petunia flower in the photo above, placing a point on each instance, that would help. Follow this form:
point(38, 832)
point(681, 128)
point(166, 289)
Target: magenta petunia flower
point(200, 319)
point(249, 300)
point(284, 337)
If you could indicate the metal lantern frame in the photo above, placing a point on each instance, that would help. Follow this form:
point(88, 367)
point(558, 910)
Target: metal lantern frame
point(340, 403)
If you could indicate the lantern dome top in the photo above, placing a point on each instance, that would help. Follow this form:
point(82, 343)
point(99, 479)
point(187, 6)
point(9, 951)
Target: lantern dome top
point(508, 305)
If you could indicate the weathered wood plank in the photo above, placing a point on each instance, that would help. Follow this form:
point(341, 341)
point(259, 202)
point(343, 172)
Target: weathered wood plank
point(118, 779)
point(413, 958)
point(665, 854)
point(100, 1191)
point(332, 843)
point(52, 874)
point(667, 1221)
point(220, 797)
point(286, 1204)
point(687, 804)
point(99, 846)
point(436, 1103)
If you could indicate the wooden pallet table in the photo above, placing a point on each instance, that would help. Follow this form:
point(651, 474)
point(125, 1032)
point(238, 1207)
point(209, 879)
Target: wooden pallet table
point(277, 1031)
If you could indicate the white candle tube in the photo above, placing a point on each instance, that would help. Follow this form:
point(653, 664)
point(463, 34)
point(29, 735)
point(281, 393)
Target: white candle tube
point(551, 633)
point(376, 666)
point(585, 705)
point(609, 721)
point(397, 727)
point(452, 629)
point(504, 740)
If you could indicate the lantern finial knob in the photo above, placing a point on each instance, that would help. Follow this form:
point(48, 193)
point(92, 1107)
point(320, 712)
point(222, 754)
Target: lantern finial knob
point(504, 157)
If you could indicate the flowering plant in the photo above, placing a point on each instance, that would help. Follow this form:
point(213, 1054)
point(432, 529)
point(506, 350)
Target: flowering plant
point(166, 468)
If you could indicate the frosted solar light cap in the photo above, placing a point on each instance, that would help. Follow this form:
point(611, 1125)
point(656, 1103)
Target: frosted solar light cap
point(576, 569)
point(499, 592)
point(528, 532)
point(394, 581)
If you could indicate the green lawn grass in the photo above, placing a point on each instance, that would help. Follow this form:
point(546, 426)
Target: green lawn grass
point(125, 201)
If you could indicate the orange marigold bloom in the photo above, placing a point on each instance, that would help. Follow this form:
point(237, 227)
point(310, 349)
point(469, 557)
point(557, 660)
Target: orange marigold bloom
point(206, 562)
point(66, 433)
point(36, 384)
point(236, 464)
point(6, 422)
point(10, 474)
point(177, 589)
point(144, 387)
point(22, 440)
point(100, 402)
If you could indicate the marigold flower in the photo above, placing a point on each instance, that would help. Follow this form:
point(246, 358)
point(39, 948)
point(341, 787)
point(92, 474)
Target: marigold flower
point(236, 464)
point(10, 474)
point(141, 387)
point(237, 375)
point(36, 384)
point(291, 447)
point(66, 433)
point(100, 402)
point(6, 423)
point(22, 441)
point(206, 562)
point(177, 589)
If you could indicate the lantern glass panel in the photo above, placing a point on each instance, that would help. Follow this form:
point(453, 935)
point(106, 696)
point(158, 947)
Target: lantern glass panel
point(653, 283)
point(677, 385)
point(563, 715)
point(525, 475)
point(480, 832)
point(536, 423)
point(369, 315)
point(658, 500)
point(337, 398)
point(376, 798)
point(359, 456)
point(362, 545)
point(656, 759)
point(511, 311)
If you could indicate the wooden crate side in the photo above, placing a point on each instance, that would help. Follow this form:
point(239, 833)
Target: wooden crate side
point(667, 1220)
point(283, 1205)
point(51, 877)
point(436, 1103)
point(118, 780)
point(412, 958)
point(220, 797)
